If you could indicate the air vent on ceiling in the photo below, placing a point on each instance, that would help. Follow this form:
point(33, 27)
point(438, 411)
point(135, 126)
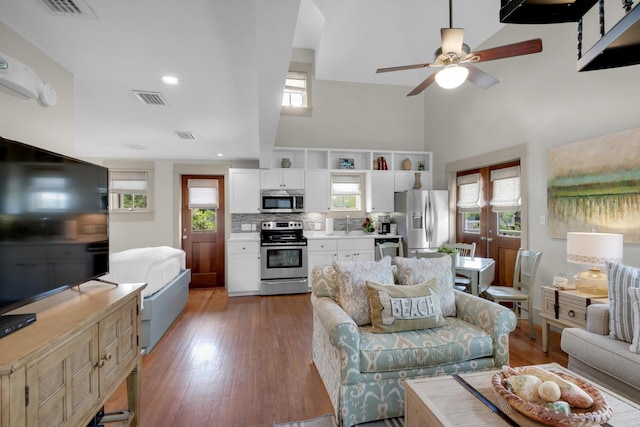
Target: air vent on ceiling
point(186, 135)
point(150, 98)
point(135, 146)
point(74, 8)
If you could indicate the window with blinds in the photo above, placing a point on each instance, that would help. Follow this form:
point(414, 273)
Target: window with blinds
point(128, 191)
point(506, 200)
point(296, 96)
point(469, 202)
point(346, 192)
point(203, 203)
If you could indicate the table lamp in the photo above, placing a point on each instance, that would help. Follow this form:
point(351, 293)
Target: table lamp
point(593, 249)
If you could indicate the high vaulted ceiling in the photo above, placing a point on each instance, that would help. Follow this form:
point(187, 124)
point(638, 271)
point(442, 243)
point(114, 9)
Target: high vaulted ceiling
point(231, 57)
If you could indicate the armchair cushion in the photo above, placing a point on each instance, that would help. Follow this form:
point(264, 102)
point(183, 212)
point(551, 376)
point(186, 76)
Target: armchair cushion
point(620, 278)
point(403, 308)
point(412, 271)
point(352, 286)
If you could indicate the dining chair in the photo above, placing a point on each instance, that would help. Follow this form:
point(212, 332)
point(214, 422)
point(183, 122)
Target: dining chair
point(438, 255)
point(524, 279)
point(392, 249)
point(461, 282)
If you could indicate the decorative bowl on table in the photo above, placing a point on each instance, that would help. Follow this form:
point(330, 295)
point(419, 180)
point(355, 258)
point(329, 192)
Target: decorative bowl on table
point(598, 413)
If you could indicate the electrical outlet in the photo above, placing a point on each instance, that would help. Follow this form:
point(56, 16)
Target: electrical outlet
point(246, 227)
point(317, 226)
point(543, 220)
point(254, 227)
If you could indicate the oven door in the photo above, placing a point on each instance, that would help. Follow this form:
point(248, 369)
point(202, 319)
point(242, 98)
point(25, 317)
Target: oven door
point(283, 262)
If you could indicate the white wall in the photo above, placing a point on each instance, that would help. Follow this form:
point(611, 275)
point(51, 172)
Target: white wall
point(354, 115)
point(27, 121)
point(540, 101)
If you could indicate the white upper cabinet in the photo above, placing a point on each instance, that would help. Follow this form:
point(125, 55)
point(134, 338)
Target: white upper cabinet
point(282, 179)
point(317, 197)
point(380, 188)
point(244, 185)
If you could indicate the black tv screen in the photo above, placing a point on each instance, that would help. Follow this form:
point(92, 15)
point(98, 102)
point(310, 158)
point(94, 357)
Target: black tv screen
point(53, 223)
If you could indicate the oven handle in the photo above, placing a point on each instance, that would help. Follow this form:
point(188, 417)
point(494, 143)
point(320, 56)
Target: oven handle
point(276, 282)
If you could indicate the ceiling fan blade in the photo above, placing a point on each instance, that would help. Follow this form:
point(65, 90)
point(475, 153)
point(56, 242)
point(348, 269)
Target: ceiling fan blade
point(422, 86)
point(402, 67)
point(452, 40)
point(479, 77)
point(507, 51)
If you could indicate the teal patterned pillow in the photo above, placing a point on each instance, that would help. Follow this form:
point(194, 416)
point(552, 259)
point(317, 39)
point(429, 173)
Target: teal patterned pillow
point(634, 295)
point(352, 285)
point(412, 271)
point(620, 278)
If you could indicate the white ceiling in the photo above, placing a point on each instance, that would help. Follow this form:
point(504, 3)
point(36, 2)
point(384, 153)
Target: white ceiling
point(231, 57)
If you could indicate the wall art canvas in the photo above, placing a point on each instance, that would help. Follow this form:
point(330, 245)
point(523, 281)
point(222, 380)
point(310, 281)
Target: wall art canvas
point(594, 185)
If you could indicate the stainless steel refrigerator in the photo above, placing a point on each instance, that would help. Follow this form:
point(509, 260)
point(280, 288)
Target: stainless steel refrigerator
point(423, 218)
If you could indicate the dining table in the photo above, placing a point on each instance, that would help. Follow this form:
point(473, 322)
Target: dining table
point(480, 271)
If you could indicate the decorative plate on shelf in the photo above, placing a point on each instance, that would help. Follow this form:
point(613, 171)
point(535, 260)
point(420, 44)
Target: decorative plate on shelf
point(598, 413)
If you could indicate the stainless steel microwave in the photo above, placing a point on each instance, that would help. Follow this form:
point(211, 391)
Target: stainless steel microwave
point(282, 201)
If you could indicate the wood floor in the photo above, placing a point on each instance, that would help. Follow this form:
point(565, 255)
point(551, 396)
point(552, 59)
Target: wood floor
point(246, 361)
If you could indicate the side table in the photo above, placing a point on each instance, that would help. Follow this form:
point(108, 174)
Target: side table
point(565, 309)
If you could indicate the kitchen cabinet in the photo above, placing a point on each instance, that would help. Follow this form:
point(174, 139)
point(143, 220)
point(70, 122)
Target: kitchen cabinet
point(380, 191)
point(282, 179)
point(63, 368)
point(321, 252)
point(355, 249)
point(243, 269)
point(244, 185)
point(317, 191)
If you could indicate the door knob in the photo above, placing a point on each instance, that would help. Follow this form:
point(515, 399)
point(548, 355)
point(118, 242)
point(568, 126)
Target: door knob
point(489, 239)
point(184, 237)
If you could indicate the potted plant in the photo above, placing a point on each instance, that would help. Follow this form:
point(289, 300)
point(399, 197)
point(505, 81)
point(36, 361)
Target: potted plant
point(451, 251)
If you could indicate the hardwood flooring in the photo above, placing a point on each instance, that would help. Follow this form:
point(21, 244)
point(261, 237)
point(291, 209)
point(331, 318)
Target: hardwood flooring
point(246, 361)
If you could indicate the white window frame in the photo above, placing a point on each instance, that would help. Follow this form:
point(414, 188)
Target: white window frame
point(361, 178)
point(141, 168)
point(306, 109)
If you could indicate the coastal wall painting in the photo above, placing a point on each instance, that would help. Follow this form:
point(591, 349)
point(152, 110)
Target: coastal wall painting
point(594, 185)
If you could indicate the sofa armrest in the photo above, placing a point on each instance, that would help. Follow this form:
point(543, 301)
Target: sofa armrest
point(495, 319)
point(598, 319)
point(343, 334)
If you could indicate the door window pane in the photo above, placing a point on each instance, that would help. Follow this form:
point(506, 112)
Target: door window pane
point(509, 224)
point(471, 222)
point(204, 220)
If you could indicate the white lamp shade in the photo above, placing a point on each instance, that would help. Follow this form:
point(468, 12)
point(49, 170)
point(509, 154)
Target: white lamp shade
point(451, 76)
point(594, 249)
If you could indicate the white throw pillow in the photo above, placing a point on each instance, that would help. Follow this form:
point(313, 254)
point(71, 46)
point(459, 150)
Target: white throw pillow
point(352, 285)
point(620, 278)
point(634, 295)
point(412, 271)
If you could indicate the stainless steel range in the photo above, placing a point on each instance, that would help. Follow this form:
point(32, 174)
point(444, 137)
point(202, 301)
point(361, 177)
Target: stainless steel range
point(283, 255)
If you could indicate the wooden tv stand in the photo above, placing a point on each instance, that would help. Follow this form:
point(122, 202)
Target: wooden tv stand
point(63, 368)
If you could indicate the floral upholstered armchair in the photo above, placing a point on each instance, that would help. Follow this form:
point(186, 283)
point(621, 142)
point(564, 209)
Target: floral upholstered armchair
point(375, 325)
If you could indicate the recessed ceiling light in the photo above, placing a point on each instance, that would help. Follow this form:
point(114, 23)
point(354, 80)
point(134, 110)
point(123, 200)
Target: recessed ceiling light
point(170, 80)
point(220, 154)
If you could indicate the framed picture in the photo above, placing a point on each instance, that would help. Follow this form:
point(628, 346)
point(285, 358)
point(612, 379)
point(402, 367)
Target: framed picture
point(346, 164)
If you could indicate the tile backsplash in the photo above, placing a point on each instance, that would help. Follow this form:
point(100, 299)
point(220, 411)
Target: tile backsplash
point(312, 221)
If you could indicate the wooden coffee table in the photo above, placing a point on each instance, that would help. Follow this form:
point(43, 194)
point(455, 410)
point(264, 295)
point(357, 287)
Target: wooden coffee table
point(442, 401)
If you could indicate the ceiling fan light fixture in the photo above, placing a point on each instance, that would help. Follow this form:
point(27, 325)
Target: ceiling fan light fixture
point(451, 76)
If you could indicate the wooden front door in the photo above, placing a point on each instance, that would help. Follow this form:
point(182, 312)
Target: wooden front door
point(496, 235)
point(203, 231)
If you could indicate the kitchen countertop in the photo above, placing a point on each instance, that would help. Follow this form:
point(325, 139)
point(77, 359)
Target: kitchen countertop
point(342, 235)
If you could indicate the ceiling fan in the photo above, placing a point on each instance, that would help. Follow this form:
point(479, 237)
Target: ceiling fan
point(457, 59)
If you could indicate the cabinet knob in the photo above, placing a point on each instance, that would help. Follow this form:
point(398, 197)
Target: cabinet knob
point(571, 313)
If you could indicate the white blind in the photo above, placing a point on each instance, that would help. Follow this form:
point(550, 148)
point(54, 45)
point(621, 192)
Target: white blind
point(506, 189)
point(203, 193)
point(296, 82)
point(469, 193)
point(128, 182)
point(345, 185)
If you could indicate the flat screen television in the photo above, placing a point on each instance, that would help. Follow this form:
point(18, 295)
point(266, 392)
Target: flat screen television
point(53, 223)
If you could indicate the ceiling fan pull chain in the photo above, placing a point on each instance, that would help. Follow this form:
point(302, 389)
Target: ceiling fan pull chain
point(626, 4)
point(451, 13)
point(602, 18)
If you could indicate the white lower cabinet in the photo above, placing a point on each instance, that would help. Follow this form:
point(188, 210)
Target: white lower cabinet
point(354, 249)
point(321, 252)
point(243, 275)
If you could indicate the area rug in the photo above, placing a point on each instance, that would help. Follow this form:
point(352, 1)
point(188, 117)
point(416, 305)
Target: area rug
point(328, 420)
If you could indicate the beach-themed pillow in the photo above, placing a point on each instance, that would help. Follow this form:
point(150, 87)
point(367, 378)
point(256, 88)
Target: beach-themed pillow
point(634, 295)
point(620, 279)
point(352, 285)
point(412, 271)
point(397, 308)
